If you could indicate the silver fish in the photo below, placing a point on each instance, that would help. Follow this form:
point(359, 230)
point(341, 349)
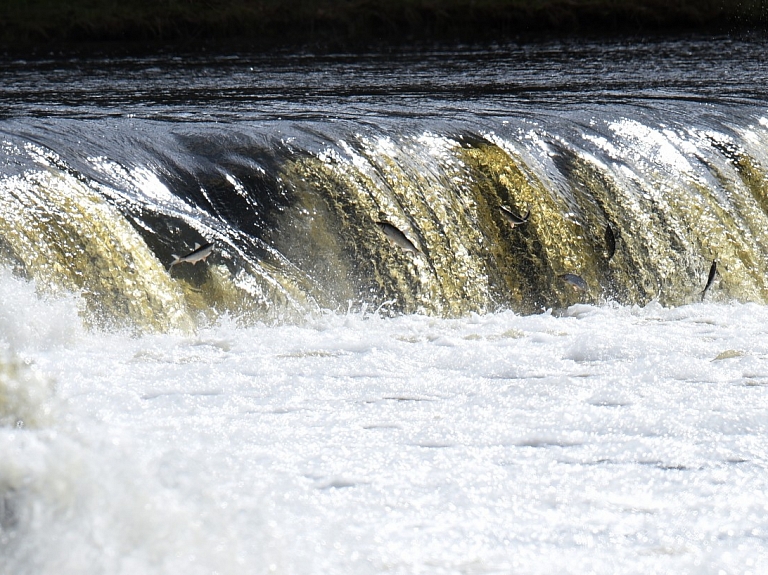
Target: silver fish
point(397, 238)
point(576, 282)
point(197, 255)
point(710, 278)
point(512, 218)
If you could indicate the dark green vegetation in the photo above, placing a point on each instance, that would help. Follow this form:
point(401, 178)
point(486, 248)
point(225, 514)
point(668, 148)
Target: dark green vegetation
point(30, 24)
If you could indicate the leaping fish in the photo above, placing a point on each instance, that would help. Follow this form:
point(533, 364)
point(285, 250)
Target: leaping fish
point(397, 238)
point(610, 241)
point(512, 218)
point(710, 278)
point(197, 255)
point(576, 282)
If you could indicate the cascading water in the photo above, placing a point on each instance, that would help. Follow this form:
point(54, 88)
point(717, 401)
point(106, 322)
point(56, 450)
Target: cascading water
point(292, 211)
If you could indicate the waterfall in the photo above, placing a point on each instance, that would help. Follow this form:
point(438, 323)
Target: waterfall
point(636, 201)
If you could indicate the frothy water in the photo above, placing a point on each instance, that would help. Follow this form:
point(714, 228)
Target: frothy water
point(606, 438)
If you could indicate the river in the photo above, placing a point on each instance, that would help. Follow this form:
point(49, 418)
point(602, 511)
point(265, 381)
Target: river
point(456, 315)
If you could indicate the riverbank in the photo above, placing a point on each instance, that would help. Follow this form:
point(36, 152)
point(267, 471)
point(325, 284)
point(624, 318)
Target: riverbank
point(30, 25)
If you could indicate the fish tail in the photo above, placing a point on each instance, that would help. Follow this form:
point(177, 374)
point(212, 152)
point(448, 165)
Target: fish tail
point(174, 262)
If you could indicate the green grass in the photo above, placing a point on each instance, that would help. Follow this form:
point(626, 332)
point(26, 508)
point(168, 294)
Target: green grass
point(272, 23)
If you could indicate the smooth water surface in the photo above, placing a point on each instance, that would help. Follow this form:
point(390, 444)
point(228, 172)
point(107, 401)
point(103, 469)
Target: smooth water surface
point(438, 83)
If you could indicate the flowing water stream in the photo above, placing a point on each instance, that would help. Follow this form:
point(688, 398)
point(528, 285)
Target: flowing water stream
point(528, 186)
point(287, 163)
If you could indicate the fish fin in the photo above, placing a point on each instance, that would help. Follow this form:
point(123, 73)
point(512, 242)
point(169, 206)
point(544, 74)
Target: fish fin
point(197, 246)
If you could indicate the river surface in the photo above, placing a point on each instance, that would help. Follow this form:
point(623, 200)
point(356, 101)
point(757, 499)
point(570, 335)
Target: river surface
point(440, 84)
point(470, 310)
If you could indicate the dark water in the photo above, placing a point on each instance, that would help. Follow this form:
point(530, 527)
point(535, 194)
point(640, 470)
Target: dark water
point(287, 161)
point(424, 83)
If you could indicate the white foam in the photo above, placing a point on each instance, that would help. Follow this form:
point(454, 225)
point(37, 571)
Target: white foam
point(606, 439)
point(30, 321)
point(661, 147)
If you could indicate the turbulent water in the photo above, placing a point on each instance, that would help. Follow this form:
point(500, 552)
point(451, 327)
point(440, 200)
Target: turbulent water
point(457, 317)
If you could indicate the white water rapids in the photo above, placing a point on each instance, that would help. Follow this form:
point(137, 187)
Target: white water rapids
point(607, 440)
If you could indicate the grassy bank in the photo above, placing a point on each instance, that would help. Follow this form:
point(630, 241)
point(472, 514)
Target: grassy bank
point(29, 24)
